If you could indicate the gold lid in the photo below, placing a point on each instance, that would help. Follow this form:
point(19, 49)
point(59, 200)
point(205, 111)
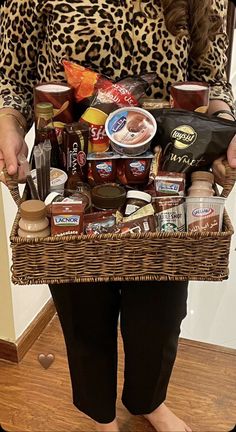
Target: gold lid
point(44, 108)
point(203, 175)
point(33, 209)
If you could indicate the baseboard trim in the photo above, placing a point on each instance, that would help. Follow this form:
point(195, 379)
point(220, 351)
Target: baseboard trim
point(15, 351)
point(207, 346)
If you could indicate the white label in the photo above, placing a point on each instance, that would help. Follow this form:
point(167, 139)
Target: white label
point(130, 208)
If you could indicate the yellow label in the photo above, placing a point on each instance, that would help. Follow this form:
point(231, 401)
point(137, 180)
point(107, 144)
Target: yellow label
point(183, 136)
point(94, 116)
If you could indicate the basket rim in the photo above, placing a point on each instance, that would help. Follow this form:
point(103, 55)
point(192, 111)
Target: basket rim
point(89, 279)
point(15, 239)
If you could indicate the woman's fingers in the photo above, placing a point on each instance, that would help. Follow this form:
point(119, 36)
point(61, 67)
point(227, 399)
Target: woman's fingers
point(11, 145)
point(218, 167)
point(10, 159)
point(231, 153)
point(218, 170)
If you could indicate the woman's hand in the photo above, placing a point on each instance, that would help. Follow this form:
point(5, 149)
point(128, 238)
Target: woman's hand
point(12, 143)
point(218, 167)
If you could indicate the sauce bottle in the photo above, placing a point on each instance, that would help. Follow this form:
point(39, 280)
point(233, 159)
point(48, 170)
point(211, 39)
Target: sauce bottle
point(45, 131)
point(202, 182)
point(33, 222)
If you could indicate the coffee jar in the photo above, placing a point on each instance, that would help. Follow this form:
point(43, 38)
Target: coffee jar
point(33, 222)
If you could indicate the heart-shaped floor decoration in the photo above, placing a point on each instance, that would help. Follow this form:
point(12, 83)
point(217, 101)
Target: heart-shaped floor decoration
point(46, 360)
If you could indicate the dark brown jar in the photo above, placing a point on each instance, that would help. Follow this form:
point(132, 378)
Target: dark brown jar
point(108, 196)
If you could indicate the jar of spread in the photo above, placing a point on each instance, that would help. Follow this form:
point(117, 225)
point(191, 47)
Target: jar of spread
point(134, 170)
point(202, 182)
point(102, 167)
point(53, 197)
point(33, 222)
point(108, 196)
point(135, 200)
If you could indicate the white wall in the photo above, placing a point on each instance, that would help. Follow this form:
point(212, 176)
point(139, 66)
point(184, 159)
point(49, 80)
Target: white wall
point(211, 305)
point(7, 329)
point(26, 301)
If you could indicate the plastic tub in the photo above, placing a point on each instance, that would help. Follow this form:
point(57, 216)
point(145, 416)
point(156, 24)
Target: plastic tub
point(204, 213)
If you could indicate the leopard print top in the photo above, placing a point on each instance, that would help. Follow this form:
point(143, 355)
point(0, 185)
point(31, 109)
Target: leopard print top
point(114, 37)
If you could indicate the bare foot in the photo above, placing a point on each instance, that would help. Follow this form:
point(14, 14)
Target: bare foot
point(164, 420)
point(107, 427)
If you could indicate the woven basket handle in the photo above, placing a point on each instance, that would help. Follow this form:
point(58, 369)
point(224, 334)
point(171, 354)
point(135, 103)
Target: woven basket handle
point(230, 178)
point(13, 186)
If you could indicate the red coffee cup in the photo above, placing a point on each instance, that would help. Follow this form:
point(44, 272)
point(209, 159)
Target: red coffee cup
point(60, 95)
point(190, 95)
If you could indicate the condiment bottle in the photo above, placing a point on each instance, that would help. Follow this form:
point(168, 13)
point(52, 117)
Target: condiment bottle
point(45, 130)
point(33, 222)
point(136, 200)
point(202, 182)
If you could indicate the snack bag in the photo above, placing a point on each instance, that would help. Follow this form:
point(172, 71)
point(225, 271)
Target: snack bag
point(191, 140)
point(106, 95)
point(82, 80)
point(109, 97)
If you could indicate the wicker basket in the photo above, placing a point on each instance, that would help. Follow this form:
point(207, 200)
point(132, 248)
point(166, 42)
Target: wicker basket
point(115, 257)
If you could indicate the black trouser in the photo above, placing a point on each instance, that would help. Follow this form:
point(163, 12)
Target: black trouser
point(151, 314)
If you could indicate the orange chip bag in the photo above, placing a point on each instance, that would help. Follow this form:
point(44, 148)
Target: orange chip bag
point(83, 80)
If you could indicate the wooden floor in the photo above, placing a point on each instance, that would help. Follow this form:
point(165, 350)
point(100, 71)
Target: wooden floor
point(202, 391)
